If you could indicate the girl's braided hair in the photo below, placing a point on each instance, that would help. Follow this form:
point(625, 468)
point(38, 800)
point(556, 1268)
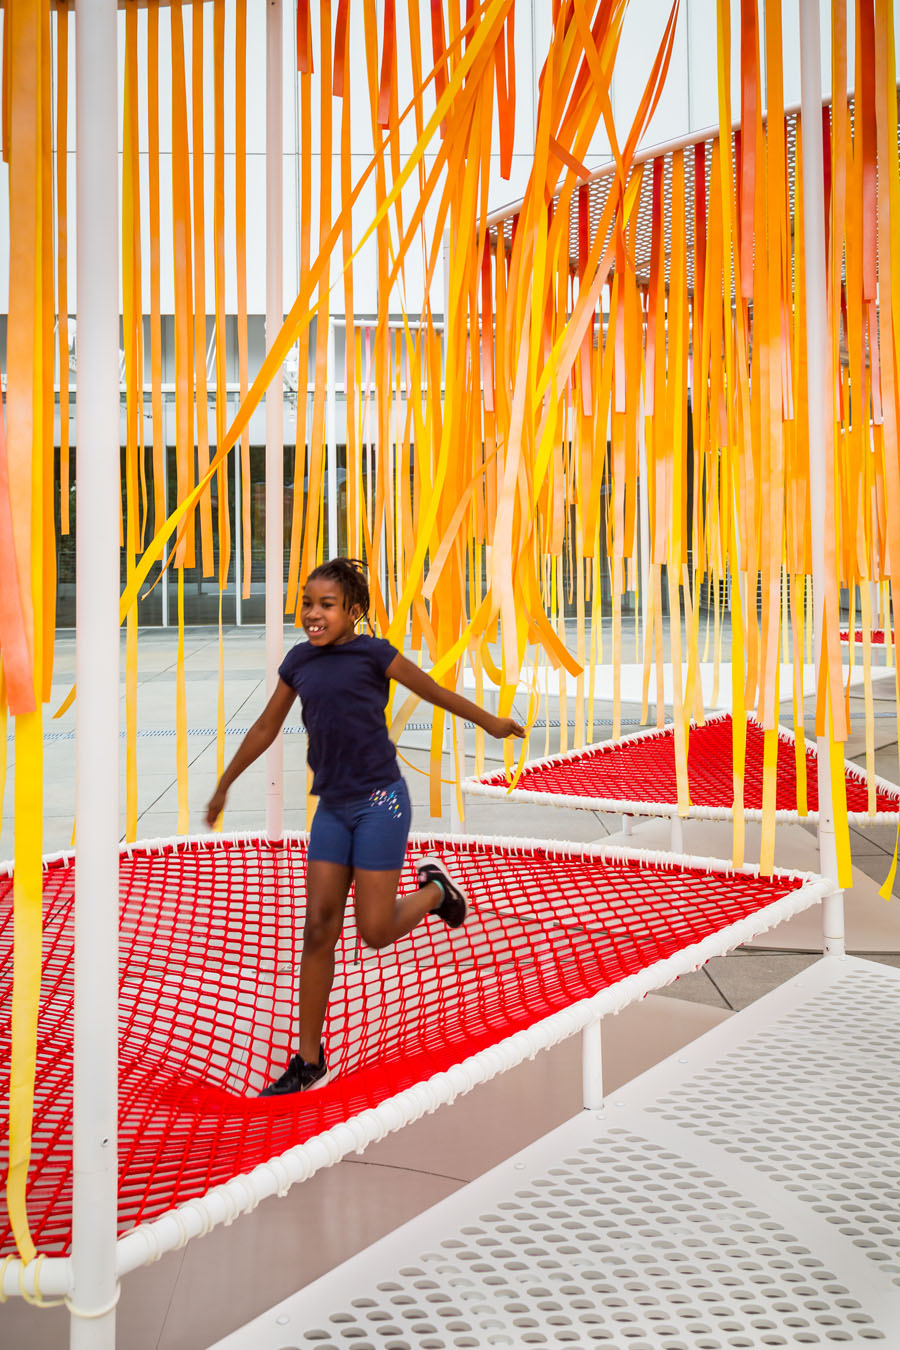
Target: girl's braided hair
point(350, 575)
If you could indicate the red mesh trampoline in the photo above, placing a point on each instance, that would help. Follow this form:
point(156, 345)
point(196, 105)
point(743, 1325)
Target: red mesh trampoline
point(877, 637)
point(635, 775)
point(209, 953)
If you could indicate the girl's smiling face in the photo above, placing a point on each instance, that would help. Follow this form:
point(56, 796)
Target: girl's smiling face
point(324, 615)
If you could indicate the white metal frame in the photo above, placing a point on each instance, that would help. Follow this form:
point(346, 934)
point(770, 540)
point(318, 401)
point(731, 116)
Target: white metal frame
point(147, 1242)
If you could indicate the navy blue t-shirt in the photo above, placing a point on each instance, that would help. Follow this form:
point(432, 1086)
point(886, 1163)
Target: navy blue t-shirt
point(343, 691)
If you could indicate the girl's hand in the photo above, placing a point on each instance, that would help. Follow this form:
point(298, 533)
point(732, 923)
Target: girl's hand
point(216, 806)
point(501, 727)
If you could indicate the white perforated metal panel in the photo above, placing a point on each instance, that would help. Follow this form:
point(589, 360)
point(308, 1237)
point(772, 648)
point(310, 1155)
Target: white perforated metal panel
point(745, 1193)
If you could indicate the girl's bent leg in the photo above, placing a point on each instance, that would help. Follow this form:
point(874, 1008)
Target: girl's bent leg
point(383, 916)
point(327, 887)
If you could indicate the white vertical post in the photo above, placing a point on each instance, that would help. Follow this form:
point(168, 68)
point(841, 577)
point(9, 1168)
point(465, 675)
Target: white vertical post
point(331, 449)
point(644, 519)
point(95, 1072)
point(238, 540)
point(818, 404)
point(274, 399)
point(164, 584)
point(459, 760)
point(592, 1065)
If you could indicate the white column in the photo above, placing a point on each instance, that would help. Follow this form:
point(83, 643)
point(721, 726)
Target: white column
point(164, 583)
point(818, 404)
point(592, 1065)
point(274, 399)
point(95, 1074)
point(331, 449)
point(458, 760)
point(644, 521)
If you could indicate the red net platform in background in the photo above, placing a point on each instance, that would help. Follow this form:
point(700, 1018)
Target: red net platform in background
point(636, 776)
point(876, 636)
point(210, 945)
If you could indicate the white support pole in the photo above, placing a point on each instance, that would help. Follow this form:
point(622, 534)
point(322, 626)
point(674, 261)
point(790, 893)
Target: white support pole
point(331, 414)
point(96, 1036)
point(164, 584)
point(818, 404)
point(274, 399)
point(592, 1065)
point(644, 520)
point(459, 759)
point(238, 540)
point(677, 834)
point(644, 524)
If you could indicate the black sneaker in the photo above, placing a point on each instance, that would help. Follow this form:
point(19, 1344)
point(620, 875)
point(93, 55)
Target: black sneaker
point(299, 1076)
point(454, 907)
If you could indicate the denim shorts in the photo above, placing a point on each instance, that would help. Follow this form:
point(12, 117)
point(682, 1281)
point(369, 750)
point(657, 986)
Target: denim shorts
point(368, 832)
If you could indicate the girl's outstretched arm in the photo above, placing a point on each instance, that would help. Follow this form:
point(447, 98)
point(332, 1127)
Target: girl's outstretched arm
point(258, 738)
point(416, 680)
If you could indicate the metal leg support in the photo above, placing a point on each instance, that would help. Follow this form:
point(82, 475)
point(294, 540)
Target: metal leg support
point(592, 1065)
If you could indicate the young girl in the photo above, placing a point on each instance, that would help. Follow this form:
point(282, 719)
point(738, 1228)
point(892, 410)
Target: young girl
point(361, 825)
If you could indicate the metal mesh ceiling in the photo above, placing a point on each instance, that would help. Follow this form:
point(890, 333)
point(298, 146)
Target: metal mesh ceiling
point(601, 182)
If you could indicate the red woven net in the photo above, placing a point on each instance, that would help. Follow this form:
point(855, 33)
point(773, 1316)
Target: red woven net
point(643, 770)
point(210, 947)
point(876, 635)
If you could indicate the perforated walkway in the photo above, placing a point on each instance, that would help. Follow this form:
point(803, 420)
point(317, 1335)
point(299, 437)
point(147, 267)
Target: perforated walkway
point(745, 1193)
